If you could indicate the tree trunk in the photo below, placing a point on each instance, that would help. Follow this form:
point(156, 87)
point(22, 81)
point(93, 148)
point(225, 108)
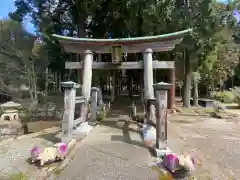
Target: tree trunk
point(32, 84)
point(180, 92)
point(46, 93)
point(59, 82)
point(195, 93)
point(187, 82)
point(81, 33)
point(25, 128)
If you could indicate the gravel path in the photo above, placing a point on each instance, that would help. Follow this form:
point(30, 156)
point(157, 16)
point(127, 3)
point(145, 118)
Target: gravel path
point(14, 155)
point(217, 139)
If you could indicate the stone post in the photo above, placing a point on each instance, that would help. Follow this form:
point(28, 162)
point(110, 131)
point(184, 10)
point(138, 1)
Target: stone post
point(69, 108)
point(134, 111)
point(94, 106)
point(100, 97)
point(161, 114)
point(151, 119)
point(148, 81)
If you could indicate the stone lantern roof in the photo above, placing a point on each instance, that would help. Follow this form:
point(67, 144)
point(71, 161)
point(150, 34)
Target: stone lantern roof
point(10, 105)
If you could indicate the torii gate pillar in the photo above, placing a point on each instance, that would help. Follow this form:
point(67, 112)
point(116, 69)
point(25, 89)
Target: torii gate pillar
point(148, 82)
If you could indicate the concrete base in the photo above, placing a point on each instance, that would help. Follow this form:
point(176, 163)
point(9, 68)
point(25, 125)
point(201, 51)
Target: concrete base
point(82, 130)
point(92, 123)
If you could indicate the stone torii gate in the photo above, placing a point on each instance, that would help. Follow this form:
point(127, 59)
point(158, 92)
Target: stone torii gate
point(147, 45)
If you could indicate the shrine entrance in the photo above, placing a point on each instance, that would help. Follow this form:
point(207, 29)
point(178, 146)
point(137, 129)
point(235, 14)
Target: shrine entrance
point(92, 51)
point(118, 48)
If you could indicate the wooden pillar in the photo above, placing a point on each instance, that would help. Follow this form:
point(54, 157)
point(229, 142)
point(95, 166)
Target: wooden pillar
point(69, 108)
point(171, 94)
point(161, 114)
point(148, 82)
point(87, 74)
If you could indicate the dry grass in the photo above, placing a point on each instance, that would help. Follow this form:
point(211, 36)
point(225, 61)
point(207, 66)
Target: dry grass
point(36, 126)
point(194, 110)
point(17, 176)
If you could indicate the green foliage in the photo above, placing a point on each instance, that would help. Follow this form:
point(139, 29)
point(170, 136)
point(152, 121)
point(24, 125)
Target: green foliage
point(18, 176)
point(20, 57)
point(26, 114)
point(102, 115)
point(210, 48)
point(236, 92)
point(1, 111)
point(225, 96)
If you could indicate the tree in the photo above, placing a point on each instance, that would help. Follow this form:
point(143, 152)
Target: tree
point(19, 57)
point(208, 19)
point(204, 17)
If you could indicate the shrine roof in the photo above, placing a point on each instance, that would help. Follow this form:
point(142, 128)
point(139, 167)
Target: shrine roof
point(158, 43)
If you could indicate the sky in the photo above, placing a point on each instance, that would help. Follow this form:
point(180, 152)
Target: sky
point(8, 6)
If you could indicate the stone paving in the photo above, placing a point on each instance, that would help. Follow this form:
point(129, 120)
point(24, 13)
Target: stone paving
point(112, 150)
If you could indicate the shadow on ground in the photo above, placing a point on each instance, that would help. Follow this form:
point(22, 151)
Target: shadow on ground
point(126, 135)
point(46, 165)
point(232, 107)
point(122, 107)
point(114, 124)
point(52, 137)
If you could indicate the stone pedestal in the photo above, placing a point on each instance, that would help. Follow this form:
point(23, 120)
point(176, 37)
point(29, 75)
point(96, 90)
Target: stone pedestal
point(161, 114)
point(10, 119)
point(69, 108)
point(94, 106)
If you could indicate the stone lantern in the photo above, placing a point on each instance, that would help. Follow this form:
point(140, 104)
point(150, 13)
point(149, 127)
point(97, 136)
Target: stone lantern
point(10, 112)
point(10, 122)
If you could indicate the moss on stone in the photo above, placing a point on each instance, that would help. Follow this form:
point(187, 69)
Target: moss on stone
point(18, 176)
